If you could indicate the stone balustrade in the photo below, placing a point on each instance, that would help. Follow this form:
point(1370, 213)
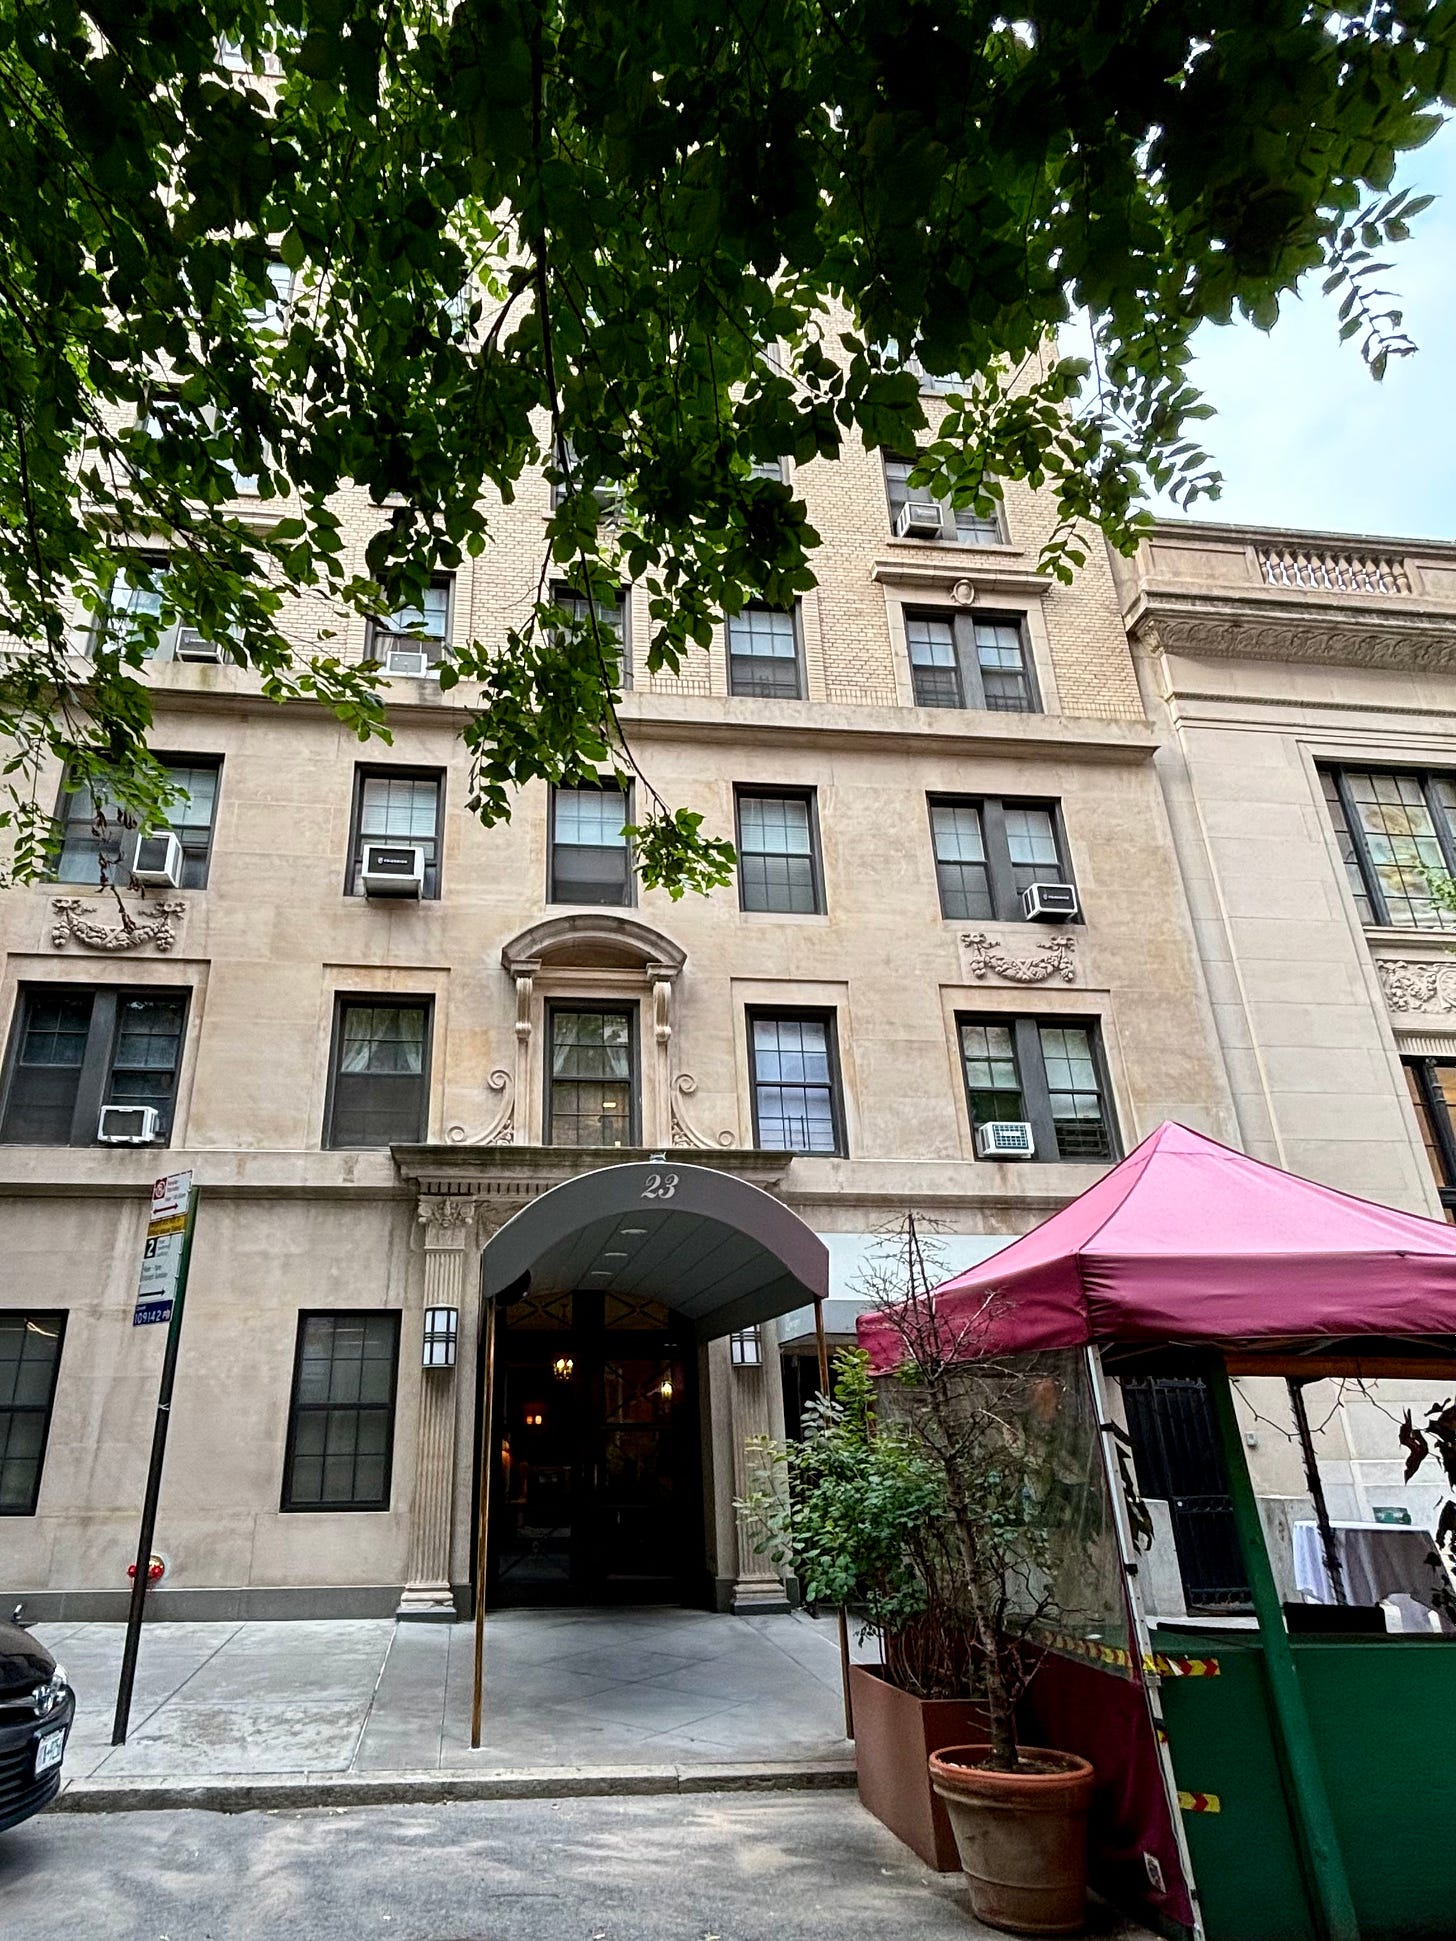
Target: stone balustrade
point(1319, 569)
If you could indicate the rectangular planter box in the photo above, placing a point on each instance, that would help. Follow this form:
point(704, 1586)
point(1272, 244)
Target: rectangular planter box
point(894, 1736)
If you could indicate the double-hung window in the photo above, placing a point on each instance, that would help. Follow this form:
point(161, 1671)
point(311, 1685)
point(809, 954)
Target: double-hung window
point(414, 639)
point(591, 1088)
point(591, 859)
point(793, 1059)
point(988, 850)
point(611, 619)
point(1432, 1084)
point(379, 1089)
point(341, 1413)
point(30, 1360)
point(961, 661)
point(778, 855)
point(1396, 829)
point(74, 1050)
point(92, 833)
point(397, 806)
point(763, 653)
point(961, 525)
point(1046, 1071)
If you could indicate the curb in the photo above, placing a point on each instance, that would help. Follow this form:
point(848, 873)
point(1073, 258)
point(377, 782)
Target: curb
point(287, 1792)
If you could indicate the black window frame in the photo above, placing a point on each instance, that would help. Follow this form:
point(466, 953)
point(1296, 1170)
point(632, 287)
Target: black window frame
point(595, 1007)
point(378, 1001)
point(286, 1504)
point(976, 531)
point(196, 855)
point(570, 601)
point(795, 614)
point(970, 677)
point(97, 1071)
point(392, 772)
point(1436, 1113)
point(828, 1016)
point(1360, 871)
point(629, 900)
point(1032, 1086)
point(1004, 892)
point(772, 792)
point(33, 1317)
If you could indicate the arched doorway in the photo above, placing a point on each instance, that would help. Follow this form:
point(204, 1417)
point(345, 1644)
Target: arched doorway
point(599, 1299)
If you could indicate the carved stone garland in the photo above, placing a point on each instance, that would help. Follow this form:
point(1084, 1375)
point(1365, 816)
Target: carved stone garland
point(1411, 986)
point(73, 926)
point(1054, 957)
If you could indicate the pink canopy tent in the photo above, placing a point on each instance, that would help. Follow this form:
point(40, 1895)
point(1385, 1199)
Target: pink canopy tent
point(1190, 1242)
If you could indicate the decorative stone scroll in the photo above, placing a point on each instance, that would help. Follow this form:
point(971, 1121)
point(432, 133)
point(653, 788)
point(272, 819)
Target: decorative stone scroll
point(1411, 986)
point(501, 1131)
point(1054, 956)
point(683, 1133)
point(72, 925)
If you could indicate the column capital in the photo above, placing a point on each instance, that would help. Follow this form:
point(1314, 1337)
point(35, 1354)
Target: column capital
point(446, 1218)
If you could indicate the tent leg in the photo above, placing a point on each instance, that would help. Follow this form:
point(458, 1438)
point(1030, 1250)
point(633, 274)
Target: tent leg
point(1314, 1826)
point(823, 1347)
point(1141, 1636)
point(1334, 1569)
point(482, 1528)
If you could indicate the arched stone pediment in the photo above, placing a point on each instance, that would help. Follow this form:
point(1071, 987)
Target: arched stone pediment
point(593, 940)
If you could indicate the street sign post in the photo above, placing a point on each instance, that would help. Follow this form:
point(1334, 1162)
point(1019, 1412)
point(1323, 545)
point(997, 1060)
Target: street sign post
point(161, 1292)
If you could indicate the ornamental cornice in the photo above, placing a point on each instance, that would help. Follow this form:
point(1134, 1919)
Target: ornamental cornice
point(1270, 629)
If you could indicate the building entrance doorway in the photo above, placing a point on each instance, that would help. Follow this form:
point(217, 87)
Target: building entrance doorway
point(596, 1486)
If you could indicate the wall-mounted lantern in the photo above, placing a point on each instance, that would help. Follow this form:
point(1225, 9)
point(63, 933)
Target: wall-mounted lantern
point(442, 1330)
point(745, 1346)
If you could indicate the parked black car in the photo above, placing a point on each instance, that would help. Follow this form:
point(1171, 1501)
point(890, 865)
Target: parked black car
point(36, 1710)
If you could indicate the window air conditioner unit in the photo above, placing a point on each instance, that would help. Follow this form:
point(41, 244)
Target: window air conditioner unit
point(1049, 902)
point(128, 1125)
point(1005, 1139)
point(192, 646)
point(158, 860)
point(920, 519)
point(408, 660)
point(393, 869)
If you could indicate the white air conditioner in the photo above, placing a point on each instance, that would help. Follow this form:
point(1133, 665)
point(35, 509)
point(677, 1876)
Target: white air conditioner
point(408, 660)
point(128, 1125)
point(393, 869)
point(1005, 1139)
point(158, 860)
point(192, 646)
point(920, 519)
point(1049, 903)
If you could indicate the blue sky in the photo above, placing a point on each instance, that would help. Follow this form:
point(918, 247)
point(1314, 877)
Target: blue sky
point(1304, 437)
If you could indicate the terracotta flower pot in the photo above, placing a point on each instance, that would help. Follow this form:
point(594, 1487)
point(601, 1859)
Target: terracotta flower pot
point(894, 1733)
point(1022, 1837)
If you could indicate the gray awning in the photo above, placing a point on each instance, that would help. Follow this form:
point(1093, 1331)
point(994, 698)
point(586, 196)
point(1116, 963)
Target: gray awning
point(719, 1252)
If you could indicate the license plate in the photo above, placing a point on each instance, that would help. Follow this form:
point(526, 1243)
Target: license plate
point(49, 1748)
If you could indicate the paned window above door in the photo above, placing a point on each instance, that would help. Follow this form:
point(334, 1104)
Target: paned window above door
point(592, 1085)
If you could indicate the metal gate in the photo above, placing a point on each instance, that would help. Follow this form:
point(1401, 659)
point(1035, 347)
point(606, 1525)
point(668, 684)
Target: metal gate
point(1176, 1451)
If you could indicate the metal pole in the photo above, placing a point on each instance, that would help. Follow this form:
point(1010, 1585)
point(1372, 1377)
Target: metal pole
point(1314, 1826)
point(154, 1487)
point(1142, 1643)
point(823, 1347)
point(482, 1528)
point(1333, 1566)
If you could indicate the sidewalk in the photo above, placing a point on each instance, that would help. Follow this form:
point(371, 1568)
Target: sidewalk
point(575, 1702)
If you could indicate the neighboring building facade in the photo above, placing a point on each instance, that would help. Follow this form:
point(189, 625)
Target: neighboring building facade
point(1303, 690)
point(368, 1086)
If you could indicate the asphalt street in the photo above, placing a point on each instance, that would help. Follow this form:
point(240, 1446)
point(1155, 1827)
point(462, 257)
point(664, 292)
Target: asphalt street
point(707, 1867)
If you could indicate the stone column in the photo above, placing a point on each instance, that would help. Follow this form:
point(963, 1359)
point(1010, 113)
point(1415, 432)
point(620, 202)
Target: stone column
point(448, 1224)
point(759, 1587)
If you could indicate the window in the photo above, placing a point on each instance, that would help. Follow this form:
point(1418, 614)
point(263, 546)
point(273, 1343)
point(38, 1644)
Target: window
point(763, 653)
point(796, 1104)
point(30, 1359)
point(962, 525)
point(607, 492)
point(987, 851)
point(341, 1418)
point(957, 661)
point(73, 1051)
point(591, 1089)
point(591, 861)
point(269, 311)
point(1394, 829)
point(611, 626)
point(92, 832)
point(379, 1089)
point(1432, 1083)
point(778, 859)
point(397, 805)
point(1045, 1071)
point(424, 629)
